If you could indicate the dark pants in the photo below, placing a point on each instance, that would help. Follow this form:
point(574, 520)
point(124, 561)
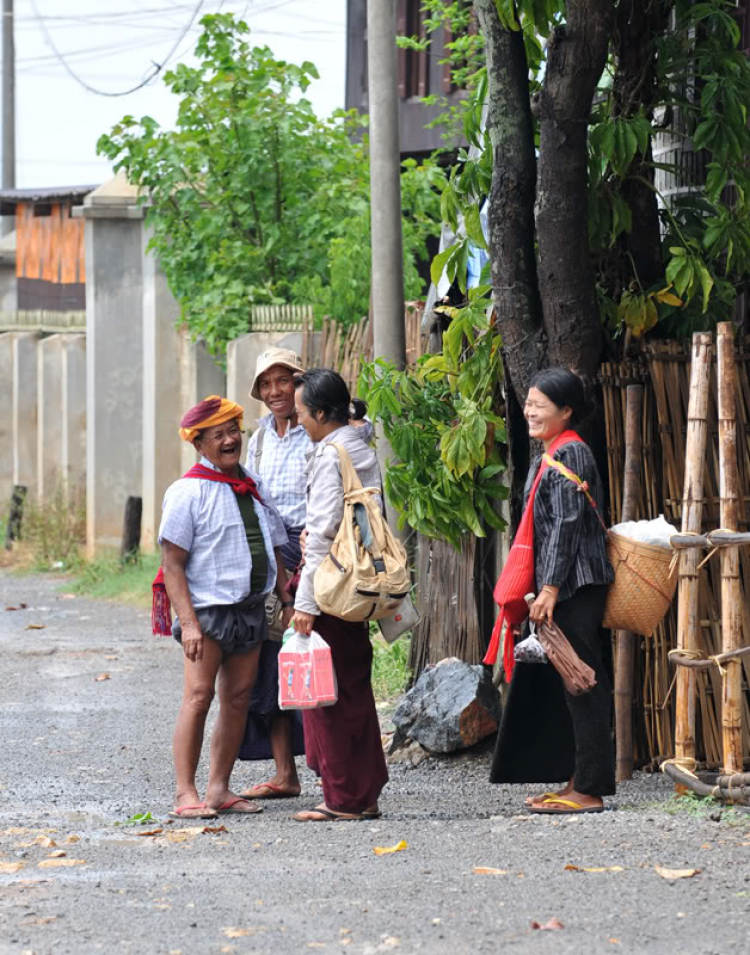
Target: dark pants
point(343, 741)
point(546, 734)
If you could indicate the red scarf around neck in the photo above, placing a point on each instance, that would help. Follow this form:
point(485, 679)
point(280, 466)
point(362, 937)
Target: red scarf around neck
point(518, 578)
point(161, 609)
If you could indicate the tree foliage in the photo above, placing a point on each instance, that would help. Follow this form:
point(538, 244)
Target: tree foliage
point(253, 199)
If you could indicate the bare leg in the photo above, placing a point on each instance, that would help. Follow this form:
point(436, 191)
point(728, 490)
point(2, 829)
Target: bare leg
point(187, 742)
point(236, 678)
point(286, 781)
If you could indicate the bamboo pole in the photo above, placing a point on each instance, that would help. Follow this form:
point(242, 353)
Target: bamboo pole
point(625, 639)
point(688, 621)
point(731, 593)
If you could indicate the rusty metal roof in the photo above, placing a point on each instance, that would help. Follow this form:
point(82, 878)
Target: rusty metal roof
point(47, 194)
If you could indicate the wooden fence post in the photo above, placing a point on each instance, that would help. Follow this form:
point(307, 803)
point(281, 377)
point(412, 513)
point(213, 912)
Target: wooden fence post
point(625, 639)
point(731, 594)
point(688, 621)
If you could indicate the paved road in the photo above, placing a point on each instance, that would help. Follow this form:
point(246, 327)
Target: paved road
point(79, 754)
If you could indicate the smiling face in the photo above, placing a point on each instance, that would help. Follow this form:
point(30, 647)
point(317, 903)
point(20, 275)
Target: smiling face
point(222, 445)
point(546, 419)
point(276, 387)
point(310, 421)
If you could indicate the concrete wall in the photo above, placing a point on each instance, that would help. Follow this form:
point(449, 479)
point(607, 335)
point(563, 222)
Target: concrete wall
point(49, 415)
point(24, 409)
point(114, 372)
point(200, 376)
point(73, 462)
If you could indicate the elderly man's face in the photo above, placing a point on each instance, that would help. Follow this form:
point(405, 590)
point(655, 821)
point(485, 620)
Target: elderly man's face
point(276, 387)
point(222, 445)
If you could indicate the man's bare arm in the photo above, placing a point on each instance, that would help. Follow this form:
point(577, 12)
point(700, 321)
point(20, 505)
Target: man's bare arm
point(174, 561)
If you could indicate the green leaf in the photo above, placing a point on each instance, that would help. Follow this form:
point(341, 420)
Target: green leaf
point(473, 224)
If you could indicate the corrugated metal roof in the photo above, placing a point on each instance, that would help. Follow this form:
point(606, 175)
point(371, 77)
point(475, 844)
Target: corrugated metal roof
point(48, 194)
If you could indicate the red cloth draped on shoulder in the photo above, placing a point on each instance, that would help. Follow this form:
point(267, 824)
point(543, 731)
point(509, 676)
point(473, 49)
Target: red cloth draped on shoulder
point(517, 577)
point(161, 610)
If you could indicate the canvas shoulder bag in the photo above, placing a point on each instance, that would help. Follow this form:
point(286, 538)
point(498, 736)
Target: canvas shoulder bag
point(365, 575)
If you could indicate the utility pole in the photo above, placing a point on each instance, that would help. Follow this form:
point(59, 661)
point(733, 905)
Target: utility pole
point(387, 280)
point(9, 108)
point(389, 338)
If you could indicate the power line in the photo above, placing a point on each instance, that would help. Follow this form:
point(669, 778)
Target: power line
point(158, 67)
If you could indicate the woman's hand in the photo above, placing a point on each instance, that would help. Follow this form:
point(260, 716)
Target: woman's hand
point(303, 622)
point(544, 605)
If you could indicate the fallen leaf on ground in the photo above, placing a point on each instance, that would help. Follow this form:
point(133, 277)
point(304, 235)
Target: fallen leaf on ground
point(35, 626)
point(386, 851)
point(111, 656)
point(58, 854)
point(71, 839)
point(58, 863)
point(673, 874)
point(488, 870)
point(68, 596)
point(607, 868)
point(212, 829)
point(151, 832)
point(19, 607)
point(231, 932)
point(551, 925)
point(102, 677)
point(316, 944)
point(10, 867)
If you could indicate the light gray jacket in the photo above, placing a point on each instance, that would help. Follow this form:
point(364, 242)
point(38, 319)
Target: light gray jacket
point(325, 501)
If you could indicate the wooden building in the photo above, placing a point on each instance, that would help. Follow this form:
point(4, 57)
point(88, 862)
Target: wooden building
point(50, 251)
point(419, 74)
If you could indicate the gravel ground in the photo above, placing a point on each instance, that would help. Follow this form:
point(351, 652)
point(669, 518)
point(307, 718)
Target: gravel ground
point(80, 754)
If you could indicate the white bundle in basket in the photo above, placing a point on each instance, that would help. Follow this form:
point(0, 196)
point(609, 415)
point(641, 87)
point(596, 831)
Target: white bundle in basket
point(656, 532)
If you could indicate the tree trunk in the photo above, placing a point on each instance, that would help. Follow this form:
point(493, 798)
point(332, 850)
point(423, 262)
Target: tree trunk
point(511, 209)
point(637, 25)
point(576, 57)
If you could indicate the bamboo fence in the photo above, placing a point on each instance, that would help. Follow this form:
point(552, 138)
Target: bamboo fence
point(663, 368)
point(346, 349)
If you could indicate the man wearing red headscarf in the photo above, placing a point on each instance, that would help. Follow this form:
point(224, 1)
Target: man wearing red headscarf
point(221, 539)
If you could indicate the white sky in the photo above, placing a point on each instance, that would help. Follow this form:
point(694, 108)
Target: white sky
point(113, 44)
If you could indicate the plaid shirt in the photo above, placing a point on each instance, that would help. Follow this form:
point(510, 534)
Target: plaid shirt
point(283, 467)
point(203, 518)
point(569, 543)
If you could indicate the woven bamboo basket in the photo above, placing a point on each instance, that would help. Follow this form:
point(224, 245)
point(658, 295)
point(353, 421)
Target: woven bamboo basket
point(642, 589)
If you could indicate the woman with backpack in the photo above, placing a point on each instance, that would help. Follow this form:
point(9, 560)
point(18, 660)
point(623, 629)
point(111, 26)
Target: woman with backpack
point(342, 741)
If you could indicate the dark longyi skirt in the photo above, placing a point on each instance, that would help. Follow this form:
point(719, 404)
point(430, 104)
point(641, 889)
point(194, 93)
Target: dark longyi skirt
point(343, 741)
point(264, 707)
point(547, 735)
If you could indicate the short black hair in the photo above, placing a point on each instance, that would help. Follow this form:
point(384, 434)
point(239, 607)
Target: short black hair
point(564, 388)
point(325, 390)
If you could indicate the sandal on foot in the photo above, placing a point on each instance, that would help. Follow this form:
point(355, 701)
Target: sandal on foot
point(536, 800)
point(201, 811)
point(328, 816)
point(274, 792)
point(228, 807)
point(568, 807)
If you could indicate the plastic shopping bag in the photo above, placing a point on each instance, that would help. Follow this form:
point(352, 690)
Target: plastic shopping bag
point(530, 650)
point(307, 678)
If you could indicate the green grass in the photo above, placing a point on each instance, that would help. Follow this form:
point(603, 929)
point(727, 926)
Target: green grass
point(698, 807)
point(390, 666)
point(107, 579)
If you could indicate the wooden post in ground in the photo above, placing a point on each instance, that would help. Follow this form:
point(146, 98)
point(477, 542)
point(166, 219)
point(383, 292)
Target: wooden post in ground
point(131, 529)
point(731, 592)
point(688, 621)
point(626, 639)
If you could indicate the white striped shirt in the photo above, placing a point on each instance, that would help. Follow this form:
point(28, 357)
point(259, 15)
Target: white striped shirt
point(203, 518)
point(283, 467)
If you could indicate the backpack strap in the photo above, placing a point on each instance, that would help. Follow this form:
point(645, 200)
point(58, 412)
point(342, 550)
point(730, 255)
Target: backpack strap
point(259, 449)
point(348, 473)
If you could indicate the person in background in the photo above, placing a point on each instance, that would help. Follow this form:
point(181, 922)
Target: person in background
point(221, 540)
point(277, 452)
point(342, 742)
point(546, 733)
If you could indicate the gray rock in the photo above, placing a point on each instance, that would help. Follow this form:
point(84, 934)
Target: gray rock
point(452, 706)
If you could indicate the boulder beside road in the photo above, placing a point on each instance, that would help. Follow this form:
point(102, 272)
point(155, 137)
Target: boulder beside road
point(452, 706)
